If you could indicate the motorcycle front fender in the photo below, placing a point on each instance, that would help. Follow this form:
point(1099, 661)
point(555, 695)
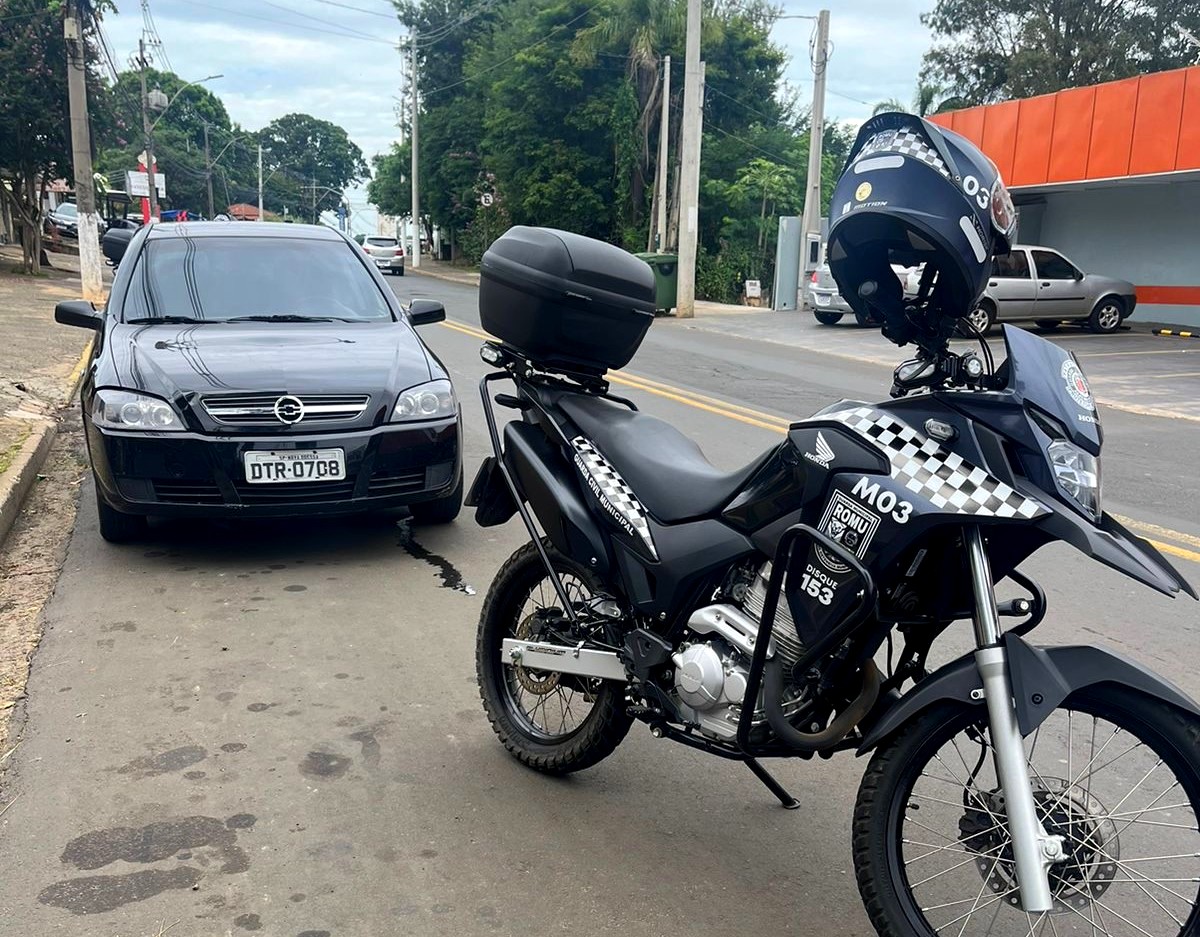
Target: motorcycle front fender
point(1114, 546)
point(1041, 679)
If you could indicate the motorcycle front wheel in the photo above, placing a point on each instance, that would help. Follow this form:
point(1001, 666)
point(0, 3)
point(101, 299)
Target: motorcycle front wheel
point(1115, 773)
point(552, 722)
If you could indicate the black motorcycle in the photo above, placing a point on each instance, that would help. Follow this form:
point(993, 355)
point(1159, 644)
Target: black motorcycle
point(788, 609)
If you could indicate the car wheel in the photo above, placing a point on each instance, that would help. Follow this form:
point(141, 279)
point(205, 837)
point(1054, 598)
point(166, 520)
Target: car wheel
point(400, 272)
point(828, 318)
point(982, 317)
point(440, 510)
point(116, 527)
point(1107, 315)
point(1048, 324)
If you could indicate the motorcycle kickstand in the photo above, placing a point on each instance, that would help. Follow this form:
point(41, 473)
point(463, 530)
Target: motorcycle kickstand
point(785, 799)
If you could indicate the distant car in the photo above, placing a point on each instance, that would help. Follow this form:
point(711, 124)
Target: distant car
point(218, 388)
point(828, 304)
point(1040, 284)
point(386, 253)
point(65, 219)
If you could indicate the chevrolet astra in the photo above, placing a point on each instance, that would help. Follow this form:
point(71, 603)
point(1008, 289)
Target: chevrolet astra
point(255, 370)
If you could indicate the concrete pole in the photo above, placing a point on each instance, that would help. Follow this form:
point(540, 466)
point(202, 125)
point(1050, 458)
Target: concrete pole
point(415, 259)
point(208, 173)
point(151, 169)
point(689, 179)
point(811, 223)
point(260, 204)
point(81, 152)
point(664, 172)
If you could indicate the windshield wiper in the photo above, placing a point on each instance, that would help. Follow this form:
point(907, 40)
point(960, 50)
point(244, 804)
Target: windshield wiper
point(285, 317)
point(168, 320)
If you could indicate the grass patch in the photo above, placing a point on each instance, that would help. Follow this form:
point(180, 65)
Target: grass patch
point(8, 455)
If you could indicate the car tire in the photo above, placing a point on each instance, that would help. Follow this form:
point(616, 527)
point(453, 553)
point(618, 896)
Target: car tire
point(400, 272)
point(827, 318)
point(440, 510)
point(117, 527)
point(1106, 317)
point(1048, 325)
point(983, 316)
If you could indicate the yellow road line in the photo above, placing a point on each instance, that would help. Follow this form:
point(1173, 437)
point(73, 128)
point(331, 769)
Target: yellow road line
point(77, 371)
point(767, 421)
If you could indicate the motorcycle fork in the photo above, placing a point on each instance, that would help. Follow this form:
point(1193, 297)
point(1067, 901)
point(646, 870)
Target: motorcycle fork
point(1034, 850)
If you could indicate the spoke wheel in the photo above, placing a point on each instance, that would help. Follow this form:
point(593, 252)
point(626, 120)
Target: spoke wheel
point(553, 722)
point(1114, 774)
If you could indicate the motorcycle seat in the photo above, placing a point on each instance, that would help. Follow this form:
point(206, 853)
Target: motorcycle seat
point(666, 470)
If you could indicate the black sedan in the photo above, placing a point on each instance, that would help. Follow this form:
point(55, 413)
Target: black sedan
point(253, 369)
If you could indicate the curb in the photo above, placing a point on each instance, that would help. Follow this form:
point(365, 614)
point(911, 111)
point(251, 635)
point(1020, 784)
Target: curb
point(1175, 333)
point(75, 378)
point(463, 279)
point(20, 476)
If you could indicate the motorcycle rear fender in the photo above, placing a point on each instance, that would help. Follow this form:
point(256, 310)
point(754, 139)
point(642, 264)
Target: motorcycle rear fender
point(1041, 679)
point(1116, 547)
point(547, 483)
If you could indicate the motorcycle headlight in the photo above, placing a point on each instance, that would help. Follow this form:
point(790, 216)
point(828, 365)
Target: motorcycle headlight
point(124, 409)
point(1077, 473)
point(433, 400)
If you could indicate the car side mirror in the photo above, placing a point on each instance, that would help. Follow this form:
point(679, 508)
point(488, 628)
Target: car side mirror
point(426, 312)
point(1078, 274)
point(80, 313)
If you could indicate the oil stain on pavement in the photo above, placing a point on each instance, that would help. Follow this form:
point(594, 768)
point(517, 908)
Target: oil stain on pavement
point(324, 765)
point(154, 842)
point(450, 576)
point(175, 760)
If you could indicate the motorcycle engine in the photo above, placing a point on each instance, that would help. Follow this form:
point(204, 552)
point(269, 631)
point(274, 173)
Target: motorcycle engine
point(711, 670)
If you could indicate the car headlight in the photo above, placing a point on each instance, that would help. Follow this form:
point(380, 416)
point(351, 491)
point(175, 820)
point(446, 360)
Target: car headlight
point(123, 409)
point(1077, 473)
point(433, 400)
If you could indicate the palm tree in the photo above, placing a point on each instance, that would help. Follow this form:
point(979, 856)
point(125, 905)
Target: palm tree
point(644, 28)
point(890, 104)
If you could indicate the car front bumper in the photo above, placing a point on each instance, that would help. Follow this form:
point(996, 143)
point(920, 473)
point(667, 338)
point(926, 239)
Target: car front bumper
point(195, 475)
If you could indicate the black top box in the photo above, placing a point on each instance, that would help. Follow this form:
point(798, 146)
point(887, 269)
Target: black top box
point(565, 301)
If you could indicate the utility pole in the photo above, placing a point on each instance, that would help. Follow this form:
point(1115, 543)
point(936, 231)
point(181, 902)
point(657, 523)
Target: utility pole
point(81, 152)
point(208, 172)
point(151, 170)
point(663, 173)
point(810, 225)
point(416, 187)
point(689, 180)
point(260, 204)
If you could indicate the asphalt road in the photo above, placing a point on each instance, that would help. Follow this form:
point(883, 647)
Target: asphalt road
point(274, 727)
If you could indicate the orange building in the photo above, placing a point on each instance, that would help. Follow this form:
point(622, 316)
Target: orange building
point(1110, 176)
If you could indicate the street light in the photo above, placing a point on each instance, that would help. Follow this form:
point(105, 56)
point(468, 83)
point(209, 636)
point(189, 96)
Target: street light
point(157, 100)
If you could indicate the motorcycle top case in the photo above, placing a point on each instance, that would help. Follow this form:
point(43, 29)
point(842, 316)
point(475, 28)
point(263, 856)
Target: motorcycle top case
point(565, 301)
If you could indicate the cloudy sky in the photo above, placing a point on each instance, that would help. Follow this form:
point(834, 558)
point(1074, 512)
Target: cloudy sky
point(340, 64)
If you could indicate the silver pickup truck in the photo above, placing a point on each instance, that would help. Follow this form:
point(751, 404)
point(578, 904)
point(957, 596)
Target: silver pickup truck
point(1040, 284)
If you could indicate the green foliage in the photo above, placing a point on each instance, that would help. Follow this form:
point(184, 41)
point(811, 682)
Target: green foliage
point(720, 277)
point(488, 223)
point(992, 50)
point(303, 147)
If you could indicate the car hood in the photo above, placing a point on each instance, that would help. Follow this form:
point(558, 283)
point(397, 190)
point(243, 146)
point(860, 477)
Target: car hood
point(186, 361)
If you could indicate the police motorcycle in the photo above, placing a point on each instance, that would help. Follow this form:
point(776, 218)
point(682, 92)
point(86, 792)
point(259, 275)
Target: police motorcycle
point(789, 608)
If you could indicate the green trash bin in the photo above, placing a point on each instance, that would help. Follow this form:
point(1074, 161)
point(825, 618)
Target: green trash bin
point(666, 278)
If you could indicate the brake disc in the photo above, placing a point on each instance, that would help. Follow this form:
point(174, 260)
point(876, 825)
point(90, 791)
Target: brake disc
point(537, 682)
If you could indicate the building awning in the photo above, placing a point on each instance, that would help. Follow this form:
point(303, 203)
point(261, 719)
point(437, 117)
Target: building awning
point(1113, 133)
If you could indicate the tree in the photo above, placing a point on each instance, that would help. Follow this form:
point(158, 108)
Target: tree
point(35, 143)
point(992, 50)
point(315, 159)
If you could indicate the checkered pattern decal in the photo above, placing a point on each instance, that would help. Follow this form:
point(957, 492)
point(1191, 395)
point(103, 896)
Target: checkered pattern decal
point(944, 478)
point(614, 493)
point(908, 143)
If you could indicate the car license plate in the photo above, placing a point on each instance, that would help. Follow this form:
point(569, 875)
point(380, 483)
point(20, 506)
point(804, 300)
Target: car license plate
point(295, 465)
point(822, 298)
point(383, 263)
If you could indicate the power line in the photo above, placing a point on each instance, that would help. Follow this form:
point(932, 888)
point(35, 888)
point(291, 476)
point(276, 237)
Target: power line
point(462, 81)
point(346, 6)
point(316, 19)
point(275, 22)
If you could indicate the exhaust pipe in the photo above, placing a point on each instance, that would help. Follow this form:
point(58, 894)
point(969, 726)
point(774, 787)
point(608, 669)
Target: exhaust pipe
point(837, 730)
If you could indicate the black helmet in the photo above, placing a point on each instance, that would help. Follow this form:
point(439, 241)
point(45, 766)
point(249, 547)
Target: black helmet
point(913, 193)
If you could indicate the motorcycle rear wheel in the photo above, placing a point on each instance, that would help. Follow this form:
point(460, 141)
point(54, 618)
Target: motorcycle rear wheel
point(553, 723)
point(1114, 771)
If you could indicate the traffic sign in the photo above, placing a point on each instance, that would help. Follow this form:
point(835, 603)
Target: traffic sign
point(486, 199)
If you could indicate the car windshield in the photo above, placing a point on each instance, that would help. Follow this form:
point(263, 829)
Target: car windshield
point(217, 279)
point(67, 210)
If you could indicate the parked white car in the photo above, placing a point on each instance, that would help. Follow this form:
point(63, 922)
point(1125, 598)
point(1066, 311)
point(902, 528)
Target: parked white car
point(829, 305)
point(387, 253)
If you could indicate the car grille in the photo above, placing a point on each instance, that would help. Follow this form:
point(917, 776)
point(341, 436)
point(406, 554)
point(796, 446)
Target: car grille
point(384, 484)
point(259, 409)
point(173, 491)
point(295, 492)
